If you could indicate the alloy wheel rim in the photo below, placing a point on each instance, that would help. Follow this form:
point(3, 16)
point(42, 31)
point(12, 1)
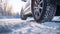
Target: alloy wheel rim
point(38, 7)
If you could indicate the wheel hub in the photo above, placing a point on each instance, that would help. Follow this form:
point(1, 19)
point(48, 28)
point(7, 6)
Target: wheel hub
point(38, 8)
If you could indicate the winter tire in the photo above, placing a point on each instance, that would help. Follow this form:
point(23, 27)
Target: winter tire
point(23, 17)
point(43, 10)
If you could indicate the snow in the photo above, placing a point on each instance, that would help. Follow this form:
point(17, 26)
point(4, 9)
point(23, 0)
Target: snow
point(29, 26)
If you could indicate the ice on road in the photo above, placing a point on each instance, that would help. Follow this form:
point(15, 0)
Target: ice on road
point(18, 26)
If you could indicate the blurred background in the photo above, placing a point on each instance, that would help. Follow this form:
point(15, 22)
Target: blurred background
point(10, 8)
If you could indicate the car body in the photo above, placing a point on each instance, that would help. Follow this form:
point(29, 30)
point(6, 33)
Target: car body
point(27, 7)
point(41, 10)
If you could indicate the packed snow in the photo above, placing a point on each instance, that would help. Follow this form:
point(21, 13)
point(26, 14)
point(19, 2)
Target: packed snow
point(29, 26)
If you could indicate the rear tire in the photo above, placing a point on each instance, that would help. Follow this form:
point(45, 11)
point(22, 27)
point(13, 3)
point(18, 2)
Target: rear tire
point(23, 17)
point(47, 12)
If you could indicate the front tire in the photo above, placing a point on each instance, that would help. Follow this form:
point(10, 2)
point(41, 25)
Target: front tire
point(46, 13)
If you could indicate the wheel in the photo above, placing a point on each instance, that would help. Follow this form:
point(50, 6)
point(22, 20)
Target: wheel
point(23, 17)
point(43, 10)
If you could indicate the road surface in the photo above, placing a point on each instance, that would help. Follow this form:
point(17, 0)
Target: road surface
point(29, 26)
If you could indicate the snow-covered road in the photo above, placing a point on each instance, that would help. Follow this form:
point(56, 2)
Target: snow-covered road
point(29, 26)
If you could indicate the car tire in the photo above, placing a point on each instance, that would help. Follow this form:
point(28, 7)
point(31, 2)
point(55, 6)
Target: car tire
point(23, 17)
point(47, 13)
